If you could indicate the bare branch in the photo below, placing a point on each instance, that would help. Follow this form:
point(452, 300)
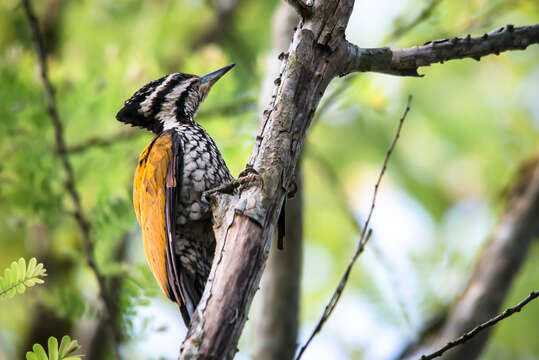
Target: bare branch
point(276, 314)
point(78, 214)
point(244, 224)
point(364, 238)
point(469, 335)
point(405, 62)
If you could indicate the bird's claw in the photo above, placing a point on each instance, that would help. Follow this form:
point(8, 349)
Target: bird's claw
point(247, 177)
point(250, 176)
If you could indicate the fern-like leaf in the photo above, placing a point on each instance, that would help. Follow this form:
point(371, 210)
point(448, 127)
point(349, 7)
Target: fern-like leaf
point(18, 277)
point(55, 352)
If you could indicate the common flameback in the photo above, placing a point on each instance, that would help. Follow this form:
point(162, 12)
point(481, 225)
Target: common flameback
point(180, 163)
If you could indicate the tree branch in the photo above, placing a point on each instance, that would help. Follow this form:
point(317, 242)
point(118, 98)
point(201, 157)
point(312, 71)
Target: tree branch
point(61, 151)
point(469, 335)
point(363, 239)
point(494, 272)
point(244, 225)
point(277, 305)
point(405, 62)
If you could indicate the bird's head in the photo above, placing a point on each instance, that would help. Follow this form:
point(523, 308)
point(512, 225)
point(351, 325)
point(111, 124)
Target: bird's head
point(169, 101)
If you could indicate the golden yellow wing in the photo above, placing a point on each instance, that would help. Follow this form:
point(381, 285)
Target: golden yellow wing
point(149, 202)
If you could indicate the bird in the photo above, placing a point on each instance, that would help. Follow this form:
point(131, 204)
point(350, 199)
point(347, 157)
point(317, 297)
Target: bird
point(180, 163)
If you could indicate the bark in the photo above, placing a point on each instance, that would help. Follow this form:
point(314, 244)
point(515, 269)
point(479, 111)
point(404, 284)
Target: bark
point(244, 224)
point(244, 234)
point(494, 272)
point(277, 328)
point(406, 61)
point(277, 314)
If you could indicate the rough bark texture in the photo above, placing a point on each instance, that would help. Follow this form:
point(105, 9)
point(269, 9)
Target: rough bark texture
point(277, 305)
point(277, 329)
point(245, 224)
point(316, 50)
point(499, 263)
point(406, 61)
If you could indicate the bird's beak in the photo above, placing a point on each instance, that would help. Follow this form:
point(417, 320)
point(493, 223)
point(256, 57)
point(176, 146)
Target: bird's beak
point(211, 78)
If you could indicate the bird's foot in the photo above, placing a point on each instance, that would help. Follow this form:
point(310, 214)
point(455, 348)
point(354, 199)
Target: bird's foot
point(248, 176)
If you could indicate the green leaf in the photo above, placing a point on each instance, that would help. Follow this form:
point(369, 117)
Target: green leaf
point(21, 288)
point(39, 351)
point(64, 345)
point(55, 352)
point(19, 276)
point(67, 346)
point(53, 348)
point(21, 269)
point(31, 266)
point(31, 356)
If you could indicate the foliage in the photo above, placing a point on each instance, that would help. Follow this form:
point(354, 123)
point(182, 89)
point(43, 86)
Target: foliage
point(18, 277)
point(67, 347)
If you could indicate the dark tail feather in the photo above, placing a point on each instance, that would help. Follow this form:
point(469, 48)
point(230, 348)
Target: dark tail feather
point(281, 227)
point(185, 314)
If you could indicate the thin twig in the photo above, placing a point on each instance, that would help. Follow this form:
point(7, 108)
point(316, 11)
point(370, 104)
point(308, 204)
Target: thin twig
point(60, 148)
point(339, 194)
point(364, 238)
point(470, 334)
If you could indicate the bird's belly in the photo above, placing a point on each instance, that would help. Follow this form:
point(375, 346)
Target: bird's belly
point(195, 246)
point(202, 171)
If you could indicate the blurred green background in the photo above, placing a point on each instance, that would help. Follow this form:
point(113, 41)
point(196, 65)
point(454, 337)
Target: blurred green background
point(470, 127)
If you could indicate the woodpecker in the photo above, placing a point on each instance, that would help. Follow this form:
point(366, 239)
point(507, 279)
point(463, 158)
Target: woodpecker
point(180, 163)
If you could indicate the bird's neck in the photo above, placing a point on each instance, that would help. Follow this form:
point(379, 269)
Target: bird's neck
point(175, 122)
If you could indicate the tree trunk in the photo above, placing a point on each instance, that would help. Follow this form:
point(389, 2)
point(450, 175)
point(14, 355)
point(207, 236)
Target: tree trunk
point(244, 224)
point(494, 272)
point(277, 315)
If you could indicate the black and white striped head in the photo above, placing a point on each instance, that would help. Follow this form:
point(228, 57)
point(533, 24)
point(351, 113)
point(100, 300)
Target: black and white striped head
point(169, 101)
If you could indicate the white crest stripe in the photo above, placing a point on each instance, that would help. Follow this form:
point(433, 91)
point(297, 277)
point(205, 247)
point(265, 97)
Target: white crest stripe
point(167, 114)
point(146, 105)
